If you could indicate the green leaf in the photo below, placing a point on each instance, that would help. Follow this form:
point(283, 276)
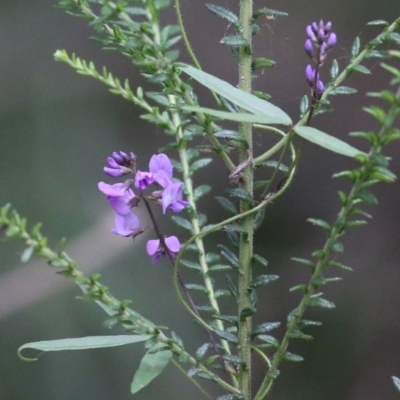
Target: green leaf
point(242, 99)
point(232, 287)
point(269, 339)
point(261, 260)
point(336, 246)
point(241, 194)
point(396, 382)
point(304, 261)
point(263, 280)
point(298, 334)
point(378, 55)
point(227, 205)
point(231, 135)
point(183, 223)
point(229, 337)
point(355, 48)
point(192, 265)
point(27, 254)
point(229, 255)
point(259, 218)
point(234, 359)
point(304, 104)
point(219, 267)
point(231, 116)
point(292, 357)
point(152, 364)
point(334, 69)
point(378, 22)
point(83, 343)
point(319, 302)
point(363, 70)
point(319, 222)
point(222, 292)
point(202, 350)
point(194, 286)
point(198, 164)
point(262, 63)
point(269, 12)
point(223, 13)
point(326, 141)
point(235, 41)
point(201, 191)
point(265, 327)
point(246, 312)
point(343, 90)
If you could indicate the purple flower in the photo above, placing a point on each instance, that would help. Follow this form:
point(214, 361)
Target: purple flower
point(172, 198)
point(319, 41)
point(308, 48)
point(320, 88)
point(120, 164)
point(161, 168)
point(143, 179)
point(121, 198)
point(155, 249)
point(310, 75)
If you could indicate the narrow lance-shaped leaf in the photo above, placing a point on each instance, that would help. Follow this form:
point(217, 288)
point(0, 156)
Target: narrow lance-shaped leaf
point(237, 117)
point(152, 364)
point(83, 343)
point(242, 99)
point(326, 141)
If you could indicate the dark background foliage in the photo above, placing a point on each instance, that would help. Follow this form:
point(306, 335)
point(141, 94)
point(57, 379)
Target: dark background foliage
point(57, 128)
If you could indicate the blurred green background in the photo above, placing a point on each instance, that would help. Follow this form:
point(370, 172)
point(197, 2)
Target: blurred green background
point(57, 128)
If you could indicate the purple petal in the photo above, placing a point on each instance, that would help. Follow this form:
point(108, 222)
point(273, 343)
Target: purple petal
point(308, 47)
point(161, 162)
point(173, 244)
point(320, 88)
point(152, 246)
point(117, 157)
point(162, 179)
point(115, 173)
point(126, 225)
point(310, 33)
point(116, 190)
point(171, 194)
point(331, 40)
point(310, 75)
point(178, 206)
point(143, 179)
point(112, 163)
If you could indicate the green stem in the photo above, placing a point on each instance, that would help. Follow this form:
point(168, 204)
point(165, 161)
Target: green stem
point(195, 224)
point(247, 222)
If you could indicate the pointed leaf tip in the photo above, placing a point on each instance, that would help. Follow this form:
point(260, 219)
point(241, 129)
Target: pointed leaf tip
point(326, 141)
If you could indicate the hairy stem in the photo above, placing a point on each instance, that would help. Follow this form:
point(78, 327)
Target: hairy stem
point(246, 238)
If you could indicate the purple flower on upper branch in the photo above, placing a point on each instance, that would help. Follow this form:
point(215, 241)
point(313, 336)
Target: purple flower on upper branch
point(121, 199)
point(160, 168)
point(320, 39)
point(161, 171)
point(171, 198)
point(120, 164)
point(155, 248)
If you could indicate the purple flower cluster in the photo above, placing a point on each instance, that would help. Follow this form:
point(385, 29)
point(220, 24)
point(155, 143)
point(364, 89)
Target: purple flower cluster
point(122, 199)
point(320, 39)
